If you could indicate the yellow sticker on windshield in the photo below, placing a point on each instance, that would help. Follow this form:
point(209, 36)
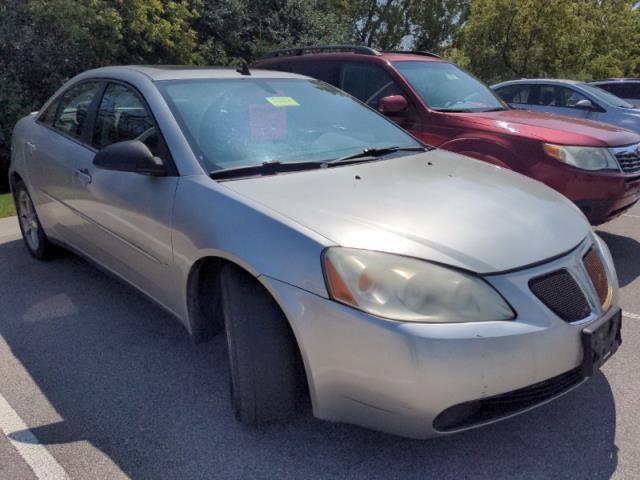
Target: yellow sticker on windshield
point(282, 102)
point(451, 76)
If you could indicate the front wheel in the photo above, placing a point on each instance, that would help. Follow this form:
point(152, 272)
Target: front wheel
point(32, 232)
point(263, 355)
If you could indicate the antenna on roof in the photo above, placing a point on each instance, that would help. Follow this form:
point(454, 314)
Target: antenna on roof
point(244, 69)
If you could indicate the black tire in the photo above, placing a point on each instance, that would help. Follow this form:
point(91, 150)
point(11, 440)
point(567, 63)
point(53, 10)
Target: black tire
point(33, 234)
point(263, 354)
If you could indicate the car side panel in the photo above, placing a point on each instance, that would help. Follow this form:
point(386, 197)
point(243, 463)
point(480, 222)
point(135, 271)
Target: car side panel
point(210, 220)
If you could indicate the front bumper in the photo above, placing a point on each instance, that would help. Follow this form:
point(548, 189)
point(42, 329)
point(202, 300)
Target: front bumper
point(398, 377)
point(602, 196)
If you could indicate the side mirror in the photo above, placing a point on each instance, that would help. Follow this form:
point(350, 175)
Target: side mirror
point(130, 156)
point(584, 104)
point(392, 105)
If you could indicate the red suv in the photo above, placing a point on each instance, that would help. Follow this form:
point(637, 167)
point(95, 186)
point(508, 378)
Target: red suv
point(594, 164)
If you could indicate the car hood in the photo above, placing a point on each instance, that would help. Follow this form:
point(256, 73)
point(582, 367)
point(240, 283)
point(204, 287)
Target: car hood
point(554, 128)
point(437, 206)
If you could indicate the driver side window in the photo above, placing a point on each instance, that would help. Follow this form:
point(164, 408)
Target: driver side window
point(123, 116)
point(368, 83)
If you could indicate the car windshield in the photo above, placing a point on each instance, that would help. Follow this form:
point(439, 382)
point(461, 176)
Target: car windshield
point(447, 88)
point(251, 121)
point(605, 96)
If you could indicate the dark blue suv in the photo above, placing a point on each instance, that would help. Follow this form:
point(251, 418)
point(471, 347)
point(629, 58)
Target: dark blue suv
point(627, 88)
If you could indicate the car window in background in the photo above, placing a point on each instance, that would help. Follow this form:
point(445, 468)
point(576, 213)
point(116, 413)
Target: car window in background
point(122, 116)
point(606, 97)
point(567, 97)
point(232, 123)
point(368, 83)
point(73, 108)
point(518, 94)
point(547, 96)
point(447, 88)
point(622, 89)
point(327, 71)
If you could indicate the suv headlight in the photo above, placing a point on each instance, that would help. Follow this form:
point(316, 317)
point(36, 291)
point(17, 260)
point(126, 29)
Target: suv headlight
point(586, 158)
point(406, 289)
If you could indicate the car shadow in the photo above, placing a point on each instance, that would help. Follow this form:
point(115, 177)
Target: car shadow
point(626, 256)
point(124, 376)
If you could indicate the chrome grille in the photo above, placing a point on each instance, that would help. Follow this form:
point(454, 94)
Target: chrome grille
point(628, 158)
point(560, 292)
point(598, 275)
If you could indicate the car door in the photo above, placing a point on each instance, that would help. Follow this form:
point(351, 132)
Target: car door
point(129, 213)
point(369, 83)
point(56, 150)
point(561, 100)
point(519, 96)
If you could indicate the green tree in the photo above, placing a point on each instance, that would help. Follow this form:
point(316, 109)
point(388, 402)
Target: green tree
point(435, 23)
point(45, 42)
point(556, 38)
point(232, 31)
point(376, 23)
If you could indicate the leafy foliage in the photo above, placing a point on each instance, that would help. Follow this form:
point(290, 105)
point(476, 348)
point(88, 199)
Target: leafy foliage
point(45, 42)
point(579, 39)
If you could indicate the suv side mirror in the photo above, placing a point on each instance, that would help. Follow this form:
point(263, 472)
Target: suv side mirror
point(584, 104)
point(392, 105)
point(130, 156)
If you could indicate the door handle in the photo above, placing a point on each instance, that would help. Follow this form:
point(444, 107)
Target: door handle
point(83, 175)
point(31, 146)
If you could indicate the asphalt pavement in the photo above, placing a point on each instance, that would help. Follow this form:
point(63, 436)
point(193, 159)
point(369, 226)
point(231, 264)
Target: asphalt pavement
point(97, 382)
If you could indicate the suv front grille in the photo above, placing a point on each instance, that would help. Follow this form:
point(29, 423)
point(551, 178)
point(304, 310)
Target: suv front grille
point(628, 158)
point(598, 275)
point(560, 292)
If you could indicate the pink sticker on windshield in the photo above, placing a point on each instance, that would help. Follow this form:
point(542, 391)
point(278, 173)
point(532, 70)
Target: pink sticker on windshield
point(267, 122)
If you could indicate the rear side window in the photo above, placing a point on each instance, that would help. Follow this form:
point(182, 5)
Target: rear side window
point(326, 71)
point(49, 114)
point(368, 83)
point(72, 109)
point(122, 115)
point(515, 94)
point(623, 90)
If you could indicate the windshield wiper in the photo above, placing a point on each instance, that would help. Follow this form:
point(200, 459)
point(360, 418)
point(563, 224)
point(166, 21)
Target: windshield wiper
point(373, 153)
point(274, 167)
point(265, 168)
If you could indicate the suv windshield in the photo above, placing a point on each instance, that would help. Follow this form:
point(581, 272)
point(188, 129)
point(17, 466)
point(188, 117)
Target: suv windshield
point(447, 88)
point(252, 121)
point(605, 96)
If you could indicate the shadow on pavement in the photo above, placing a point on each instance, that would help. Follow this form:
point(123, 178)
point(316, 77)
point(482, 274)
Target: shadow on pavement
point(124, 376)
point(626, 256)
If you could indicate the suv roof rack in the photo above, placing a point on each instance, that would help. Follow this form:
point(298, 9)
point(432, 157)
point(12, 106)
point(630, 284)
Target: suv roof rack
point(414, 52)
point(285, 52)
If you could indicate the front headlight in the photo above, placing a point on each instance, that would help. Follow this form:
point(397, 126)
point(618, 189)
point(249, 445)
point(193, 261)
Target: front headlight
point(586, 158)
point(406, 289)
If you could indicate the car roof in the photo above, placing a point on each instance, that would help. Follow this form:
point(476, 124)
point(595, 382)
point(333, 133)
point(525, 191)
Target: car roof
point(617, 80)
point(186, 72)
point(553, 81)
point(345, 53)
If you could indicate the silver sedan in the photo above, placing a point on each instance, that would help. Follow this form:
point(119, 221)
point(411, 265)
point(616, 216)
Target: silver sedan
point(402, 288)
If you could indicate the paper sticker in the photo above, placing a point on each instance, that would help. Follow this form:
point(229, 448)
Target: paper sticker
point(267, 123)
point(452, 76)
point(282, 102)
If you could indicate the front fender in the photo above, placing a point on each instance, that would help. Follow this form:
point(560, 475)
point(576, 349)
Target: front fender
point(497, 153)
point(210, 220)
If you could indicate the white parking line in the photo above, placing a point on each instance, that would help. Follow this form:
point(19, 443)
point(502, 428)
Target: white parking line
point(43, 464)
point(629, 215)
point(635, 316)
